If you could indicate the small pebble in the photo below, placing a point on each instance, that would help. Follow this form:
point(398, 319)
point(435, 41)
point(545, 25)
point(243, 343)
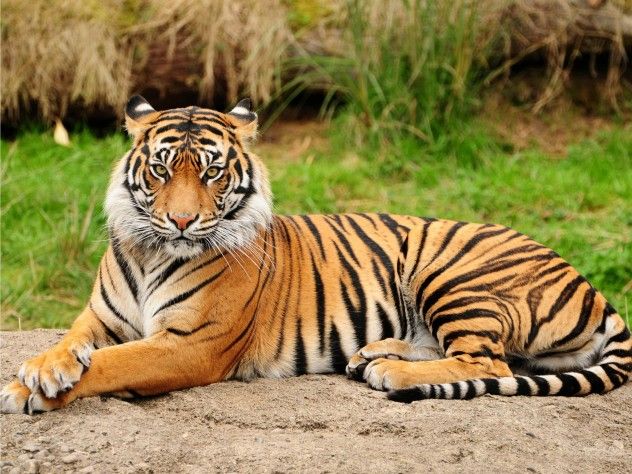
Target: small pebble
point(72, 457)
point(64, 448)
point(41, 455)
point(32, 467)
point(31, 447)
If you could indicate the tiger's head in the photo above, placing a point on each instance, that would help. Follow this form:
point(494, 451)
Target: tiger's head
point(189, 184)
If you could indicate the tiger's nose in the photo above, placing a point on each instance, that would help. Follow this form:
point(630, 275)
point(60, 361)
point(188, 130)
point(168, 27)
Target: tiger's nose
point(182, 220)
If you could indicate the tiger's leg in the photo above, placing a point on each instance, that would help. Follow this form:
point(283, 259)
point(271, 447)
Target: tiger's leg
point(470, 354)
point(392, 349)
point(158, 364)
point(60, 367)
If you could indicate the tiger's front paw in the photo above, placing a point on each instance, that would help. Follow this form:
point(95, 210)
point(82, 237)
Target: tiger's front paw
point(17, 398)
point(57, 369)
point(14, 398)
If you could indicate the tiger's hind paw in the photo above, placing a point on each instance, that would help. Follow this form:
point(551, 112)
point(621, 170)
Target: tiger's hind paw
point(390, 349)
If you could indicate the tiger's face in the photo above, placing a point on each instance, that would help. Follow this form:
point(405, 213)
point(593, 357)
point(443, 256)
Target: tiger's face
point(188, 184)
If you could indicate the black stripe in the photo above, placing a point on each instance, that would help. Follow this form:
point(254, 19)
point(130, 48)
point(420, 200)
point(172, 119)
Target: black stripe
point(422, 244)
point(378, 276)
point(492, 386)
point(450, 337)
point(584, 318)
point(319, 295)
point(473, 242)
point(570, 385)
point(166, 273)
point(181, 332)
point(623, 336)
point(564, 297)
point(484, 352)
point(544, 388)
point(456, 391)
point(243, 333)
point(471, 390)
point(406, 395)
point(441, 319)
point(206, 141)
point(523, 386)
point(125, 269)
point(337, 356)
point(115, 312)
point(387, 326)
point(343, 240)
point(108, 331)
point(310, 224)
point(487, 269)
point(395, 228)
point(623, 353)
point(204, 264)
point(300, 358)
point(447, 239)
point(357, 315)
point(187, 294)
point(614, 375)
point(386, 262)
point(596, 384)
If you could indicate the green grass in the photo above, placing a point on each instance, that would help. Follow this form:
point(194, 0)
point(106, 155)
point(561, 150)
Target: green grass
point(53, 227)
point(411, 71)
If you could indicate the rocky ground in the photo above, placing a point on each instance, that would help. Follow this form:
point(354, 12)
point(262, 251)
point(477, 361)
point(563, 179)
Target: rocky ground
point(312, 424)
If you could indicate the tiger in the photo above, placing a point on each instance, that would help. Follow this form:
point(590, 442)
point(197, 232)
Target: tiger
point(202, 283)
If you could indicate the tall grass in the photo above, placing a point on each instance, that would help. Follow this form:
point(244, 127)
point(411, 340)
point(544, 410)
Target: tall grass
point(94, 54)
point(410, 69)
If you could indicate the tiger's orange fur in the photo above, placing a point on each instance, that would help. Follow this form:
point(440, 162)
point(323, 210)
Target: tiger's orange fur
point(201, 283)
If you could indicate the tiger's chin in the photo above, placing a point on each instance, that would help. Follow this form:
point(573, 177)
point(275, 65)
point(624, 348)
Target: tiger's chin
point(183, 248)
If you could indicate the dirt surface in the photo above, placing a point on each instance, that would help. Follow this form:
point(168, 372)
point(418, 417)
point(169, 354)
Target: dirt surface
point(312, 423)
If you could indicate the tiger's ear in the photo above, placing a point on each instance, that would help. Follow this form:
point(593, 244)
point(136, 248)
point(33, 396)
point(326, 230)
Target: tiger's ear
point(138, 115)
point(244, 119)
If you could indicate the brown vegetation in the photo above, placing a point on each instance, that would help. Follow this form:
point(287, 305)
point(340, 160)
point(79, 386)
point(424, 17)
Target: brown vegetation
point(92, 54)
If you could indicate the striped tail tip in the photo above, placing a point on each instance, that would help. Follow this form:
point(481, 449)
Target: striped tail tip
point(407, 395)
point(462, 390)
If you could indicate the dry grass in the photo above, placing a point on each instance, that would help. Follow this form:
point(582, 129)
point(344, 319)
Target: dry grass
point(94, 53)
point(562, 32)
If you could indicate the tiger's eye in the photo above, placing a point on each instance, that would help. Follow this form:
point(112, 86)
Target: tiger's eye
point(212, 172)
point(160, 170)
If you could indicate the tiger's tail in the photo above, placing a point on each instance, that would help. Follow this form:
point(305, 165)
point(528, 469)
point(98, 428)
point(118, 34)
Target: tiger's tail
point(612, 370)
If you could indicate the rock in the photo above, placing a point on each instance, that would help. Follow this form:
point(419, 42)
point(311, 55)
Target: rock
point(64, 448)
point(31, 447)
point(32, 467)
point(71, 458)
point(87, 470)
point(41, 455)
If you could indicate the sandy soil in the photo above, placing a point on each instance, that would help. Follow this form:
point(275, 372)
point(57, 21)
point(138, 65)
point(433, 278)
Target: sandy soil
point(312, 424)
